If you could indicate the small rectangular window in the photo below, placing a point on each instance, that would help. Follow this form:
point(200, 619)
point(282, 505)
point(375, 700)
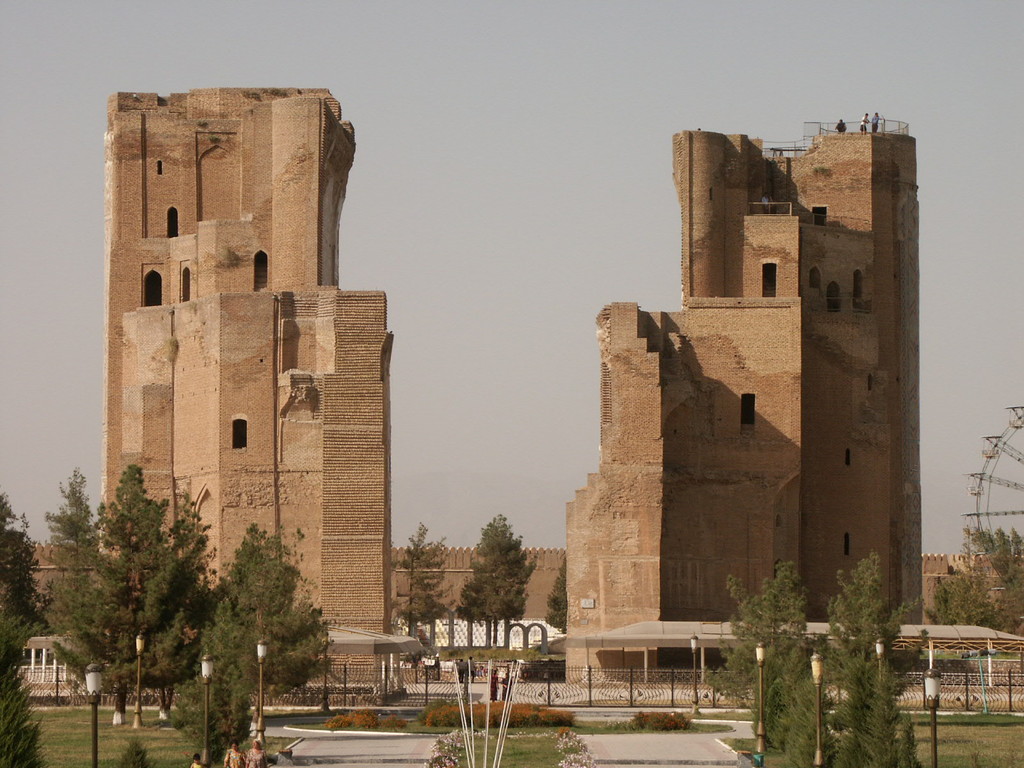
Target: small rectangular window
point(820, 214)
point(768, 279)
point(747, 410)
point(239, 433)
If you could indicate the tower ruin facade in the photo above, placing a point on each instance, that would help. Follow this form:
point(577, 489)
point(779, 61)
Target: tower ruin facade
point(775, 417)
point(237, 374)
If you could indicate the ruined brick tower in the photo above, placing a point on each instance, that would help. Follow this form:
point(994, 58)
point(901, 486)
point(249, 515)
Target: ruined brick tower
point(776, 416)
point(236, 371)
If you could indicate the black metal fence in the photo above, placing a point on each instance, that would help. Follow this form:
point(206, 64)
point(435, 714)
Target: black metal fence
point(361, 685)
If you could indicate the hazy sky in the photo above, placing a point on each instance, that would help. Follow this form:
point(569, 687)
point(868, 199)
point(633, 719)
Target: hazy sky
point(513, 176)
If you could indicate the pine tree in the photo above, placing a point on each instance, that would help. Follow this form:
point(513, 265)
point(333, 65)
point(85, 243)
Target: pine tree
point(866, 720)
point(137, 574)
point(776, 616)
point(19, 596)
point(501, 570)
point(262, 596)
point(558, 601)
point(19, 733)
point(72, 528)
point(423, 562)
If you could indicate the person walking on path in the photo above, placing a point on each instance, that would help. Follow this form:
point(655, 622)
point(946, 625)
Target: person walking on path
point(256, 757)
point(864, 123)
point(234, 757)
point(874, 123)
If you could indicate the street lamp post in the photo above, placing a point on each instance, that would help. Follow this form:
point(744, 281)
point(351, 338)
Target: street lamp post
point(93, 682)
point(818, 675)
point(880, 653)
point(761, 745)
point(261, 655)
point(325, 705)
point(207, 670)
point(932, 686)
point(140, 646)
point(693, 648)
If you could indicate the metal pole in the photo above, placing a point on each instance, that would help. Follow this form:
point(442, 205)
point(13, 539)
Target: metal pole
point(631, 686)
point(547, 679)
point(694, 697)
point(819, 755)
point(935, 744)
point(206, 723)
point(344, 684)
point(94, 699)
point(1009, 687)
point(590, 686)
point(325, 705)
point(261, 727)
point(672, 687)
point(760, 707)
point(137, 720)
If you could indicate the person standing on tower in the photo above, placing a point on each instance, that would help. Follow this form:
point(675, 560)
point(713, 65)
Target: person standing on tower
point(874, 123)
point(864, 123)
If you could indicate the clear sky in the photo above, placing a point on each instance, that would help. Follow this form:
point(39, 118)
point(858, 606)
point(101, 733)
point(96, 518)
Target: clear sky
point(513, 176)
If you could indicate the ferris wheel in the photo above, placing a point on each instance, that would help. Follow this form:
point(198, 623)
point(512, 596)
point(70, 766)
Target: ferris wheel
point(1002, 494)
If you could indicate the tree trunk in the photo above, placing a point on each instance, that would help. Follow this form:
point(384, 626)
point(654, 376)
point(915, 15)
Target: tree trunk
point(166, 699)
point(120, 704)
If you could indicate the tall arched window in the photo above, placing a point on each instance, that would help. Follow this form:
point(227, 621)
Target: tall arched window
point(259, 271)
point(814, 279)
point(832, 301)
point(152, 289)
point(186, 284)
point(858, 289)
point(769, 272)
point(172, 222)
point(239, 433)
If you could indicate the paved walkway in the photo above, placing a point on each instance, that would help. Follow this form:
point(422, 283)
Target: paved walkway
point(612, 750)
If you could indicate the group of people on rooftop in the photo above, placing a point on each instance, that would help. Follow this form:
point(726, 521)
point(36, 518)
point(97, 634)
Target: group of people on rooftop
point(867, 120)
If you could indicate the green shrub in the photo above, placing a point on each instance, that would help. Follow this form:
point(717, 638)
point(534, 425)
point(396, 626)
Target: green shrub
point(134, 756)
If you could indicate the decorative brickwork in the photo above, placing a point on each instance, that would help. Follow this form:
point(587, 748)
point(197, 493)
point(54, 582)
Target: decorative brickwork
point(776, 416)
point(237, 374)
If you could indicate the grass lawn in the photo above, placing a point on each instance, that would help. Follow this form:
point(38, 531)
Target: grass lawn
point(965, 741)
point(67, 739)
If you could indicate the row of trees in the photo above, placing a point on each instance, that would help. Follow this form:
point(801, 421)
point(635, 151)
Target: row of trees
point(989, 590)
point(138, 567)
point(495, 593)
point(864, 725)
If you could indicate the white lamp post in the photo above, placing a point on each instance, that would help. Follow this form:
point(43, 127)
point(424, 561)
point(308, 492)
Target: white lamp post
point(261, 655)
point(207, 671)
point(93, 684)
point(880, 653)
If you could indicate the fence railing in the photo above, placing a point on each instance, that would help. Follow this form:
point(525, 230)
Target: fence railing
point(367, 685)
point(770, 209)
point(884, 126)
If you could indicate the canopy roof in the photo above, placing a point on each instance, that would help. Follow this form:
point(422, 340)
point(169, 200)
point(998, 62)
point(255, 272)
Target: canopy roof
point(363, 641)
point(715, 634)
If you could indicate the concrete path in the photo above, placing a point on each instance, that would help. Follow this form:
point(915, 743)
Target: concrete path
point(613, 750)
